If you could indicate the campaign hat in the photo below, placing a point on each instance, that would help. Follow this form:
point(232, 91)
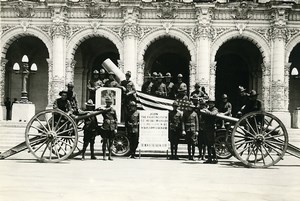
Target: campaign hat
point(224, 96)
point(63, 92)
point(95, 72)
point(168, 75)
point(253, 93)
point(180, 75)
point(90, 103)
point(102, 71)
point(128, 73)
point(242, 89)
point(70, 84)
point(159, 76)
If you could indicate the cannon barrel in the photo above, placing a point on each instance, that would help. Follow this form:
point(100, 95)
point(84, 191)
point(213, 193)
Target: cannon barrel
point(223, 117)
point(88, 115)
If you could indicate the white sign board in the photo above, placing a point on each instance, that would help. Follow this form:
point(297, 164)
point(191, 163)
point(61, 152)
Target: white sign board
point(154, 130)
point(116, 96)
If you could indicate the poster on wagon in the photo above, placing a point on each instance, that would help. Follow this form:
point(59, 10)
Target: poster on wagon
point(153, 130)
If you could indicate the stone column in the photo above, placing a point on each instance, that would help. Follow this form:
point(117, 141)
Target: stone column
point(192, 69)
point(266, 84)
point(2, 89)
point(129, 34)
point(278, 88)
point(70, 66)
point(140, 74)
point(212, 80)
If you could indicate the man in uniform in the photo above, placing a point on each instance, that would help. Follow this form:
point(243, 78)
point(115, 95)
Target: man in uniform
point(109, 127)
point(190, 129)
point(89, 130)
point(253, 104)
point(129, 93)
point(175, 126)
point(170, 86)
point(151, 86)
point(198, 92)
point(209, 130)
point(94, 84)
point(180, 87)
point(63, 103)
point(201, 137)
point(111, 82)
point(243, 99)
point(146, 83)
point(72, 97)
point(160, 89)
point(102, 76)
point(225, 108)
point(132, 125)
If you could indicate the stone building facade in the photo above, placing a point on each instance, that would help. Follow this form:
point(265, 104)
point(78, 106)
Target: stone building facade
point(220, 44)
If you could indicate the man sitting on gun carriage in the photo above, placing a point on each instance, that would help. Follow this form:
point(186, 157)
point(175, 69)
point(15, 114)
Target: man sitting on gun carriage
point(63, 103)
point(90, 129)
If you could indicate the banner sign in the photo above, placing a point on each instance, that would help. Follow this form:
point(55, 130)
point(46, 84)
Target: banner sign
point(154, 130)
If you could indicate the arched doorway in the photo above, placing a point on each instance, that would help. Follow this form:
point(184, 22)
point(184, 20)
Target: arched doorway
point(168, 55)
point(89, 56)
point(294, 84)
point(238, 64)
point(37, 83)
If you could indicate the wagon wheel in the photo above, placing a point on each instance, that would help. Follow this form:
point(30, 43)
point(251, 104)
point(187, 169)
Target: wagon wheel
point(221, 145)
point(120, 145)
point(259, 140)
point(51, 135)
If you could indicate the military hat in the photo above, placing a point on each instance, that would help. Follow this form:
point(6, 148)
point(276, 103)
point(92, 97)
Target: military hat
point(90, 103)
point(175, 104)
point(253, 93)
point(182, 88)
point(180, 76)
point(132, 103)
point(168, 75)
point(242, 89)
point(70, 84)
point(102, 71)
point(108, 99)
point(128, 73)
point(63, 92)
point(95, 72)
point(224, 96)
point(111, 73)
point(159, 76)
point(154, 74)
point(194, 97)
point(197, 85)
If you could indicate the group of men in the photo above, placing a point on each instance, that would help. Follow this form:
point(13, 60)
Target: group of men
point(196, 125)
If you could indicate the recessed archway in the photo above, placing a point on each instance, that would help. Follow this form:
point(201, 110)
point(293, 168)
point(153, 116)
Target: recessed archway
point(89, 56)
point(238, 64)
point(168, 55)
point(37, 84)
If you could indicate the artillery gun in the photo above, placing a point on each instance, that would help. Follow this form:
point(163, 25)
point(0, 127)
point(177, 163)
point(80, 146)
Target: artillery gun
point(257, 139)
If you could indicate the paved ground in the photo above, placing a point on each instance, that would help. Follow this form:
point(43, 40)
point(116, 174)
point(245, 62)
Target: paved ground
point(145, 179)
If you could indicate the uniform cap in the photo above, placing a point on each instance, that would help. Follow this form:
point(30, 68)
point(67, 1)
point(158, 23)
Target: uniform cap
point(224, 96)
point(253, 93)
point(63, 92)
point(108, 99)
point(154, 74)
point(128, 73)
point(70, 84)
point(95, 72)
point(242, 89)
point(168, 75)
point(90, 103)
point(180, 75)
point(182, 88)
point(102, 71)
point(159, 76)
point(132, 103)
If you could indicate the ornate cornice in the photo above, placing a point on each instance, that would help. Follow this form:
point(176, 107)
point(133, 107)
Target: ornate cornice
point(242, 11)
point(95, 10)
point(131, 29)
point(167, 10)
point(203, 31)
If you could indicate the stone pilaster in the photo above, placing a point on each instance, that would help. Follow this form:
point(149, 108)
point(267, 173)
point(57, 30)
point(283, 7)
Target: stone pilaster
point(70, 66)
point(266, 85)
point(212, 80)
point(192, 69)
point(2, 80)
point(140, 74)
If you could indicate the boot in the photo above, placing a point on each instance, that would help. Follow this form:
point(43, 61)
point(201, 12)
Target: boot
point(93, 157)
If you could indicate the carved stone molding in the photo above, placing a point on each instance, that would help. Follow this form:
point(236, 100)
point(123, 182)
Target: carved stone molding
point(121, 65)
point(70, 69)
point(212, 79)
point(242, 11)
point(264, 32)
point(140, 73)
point(2, 79)
point(130, 29)
point(278, 96)
point(219, 31)
point(24, 9)
point(193, 73)
point(279, 16)
point(60, 29)
point(202, 31)
point(266, 84)
point(167, 10)
point(204, 16)
point(278, 32)
point(95, 10)
point(131, 14)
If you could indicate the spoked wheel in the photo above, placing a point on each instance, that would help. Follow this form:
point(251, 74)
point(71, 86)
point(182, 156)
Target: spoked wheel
point(120, 145)
point(259, 140)
point(51, 135)
point(221, 145)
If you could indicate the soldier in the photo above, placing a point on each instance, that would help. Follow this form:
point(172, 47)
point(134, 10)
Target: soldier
point(132, 125)
point(129, 93)
point(243, 99)
point(175, 126)
point(198, 92)
point(180, 86)
point(94, 84)
point(146, 83)
point(111, 82)
point(190, 129)
point(102, 76)
point(253, 104)
point(72, 97)
point(89, 130)
point(224, 108)
point(209, 130)
point(201, 138)
point(182, 94)
point(170, 86)
point(63, 103)
point(151, 86)
point(160, 89)
point(109, 127)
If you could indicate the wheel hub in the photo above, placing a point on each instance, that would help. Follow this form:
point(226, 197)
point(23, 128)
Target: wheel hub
point(51, 134)
point(259, 139)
